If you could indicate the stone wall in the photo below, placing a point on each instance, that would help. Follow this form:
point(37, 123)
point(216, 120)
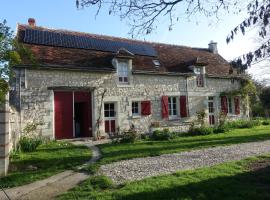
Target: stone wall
point(4, 138)
point(35, 100)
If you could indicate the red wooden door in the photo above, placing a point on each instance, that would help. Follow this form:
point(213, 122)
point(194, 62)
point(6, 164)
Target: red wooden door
point(63, 115)
point(85, 99)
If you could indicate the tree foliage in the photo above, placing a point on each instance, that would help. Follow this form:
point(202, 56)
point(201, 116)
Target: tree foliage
point(265, 97)
point(11, 53)
point(258, 17)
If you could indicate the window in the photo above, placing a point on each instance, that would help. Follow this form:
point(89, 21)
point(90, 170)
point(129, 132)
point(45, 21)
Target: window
point(156, 63)
point(172, 106)
point(135, 108)
point(109, 110)
point(230, 107)
point(122, 70)
point(199, 76)
point(211, 110)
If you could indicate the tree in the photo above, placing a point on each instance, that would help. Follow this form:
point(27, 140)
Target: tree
point(265, 97)
point(7, 57)
point(11, 53)
point(143, 17)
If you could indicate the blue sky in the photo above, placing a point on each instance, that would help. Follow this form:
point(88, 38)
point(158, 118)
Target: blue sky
point(64, 14)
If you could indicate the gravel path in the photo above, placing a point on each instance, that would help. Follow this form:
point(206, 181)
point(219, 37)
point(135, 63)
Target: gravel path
point(140, 168)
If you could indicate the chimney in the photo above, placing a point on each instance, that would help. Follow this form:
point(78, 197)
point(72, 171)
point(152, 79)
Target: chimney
point(212, 46)
point(31, 22)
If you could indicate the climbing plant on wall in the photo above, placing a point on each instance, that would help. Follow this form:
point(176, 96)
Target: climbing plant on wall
point(246, 91)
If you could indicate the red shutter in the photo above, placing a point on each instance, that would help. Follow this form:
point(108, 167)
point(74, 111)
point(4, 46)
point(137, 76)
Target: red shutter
point(63, 115)
point(224, 104)
point(183, 106)
point(145, 108)
point(237, 105)
point(165, 107)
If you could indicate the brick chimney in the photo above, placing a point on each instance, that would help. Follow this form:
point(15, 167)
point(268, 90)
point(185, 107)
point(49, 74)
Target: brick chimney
point(212, 46)
point(31, 22)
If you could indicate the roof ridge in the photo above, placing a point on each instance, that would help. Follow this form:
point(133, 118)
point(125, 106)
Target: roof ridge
point(108, 36)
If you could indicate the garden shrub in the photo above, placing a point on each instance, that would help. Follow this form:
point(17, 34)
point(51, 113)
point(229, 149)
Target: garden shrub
point(101, 182)
point(243, 123)
point(221, 129)
point(29, 143)
point(266, 122)
point(129, 136)
point(164, 134)
point(201, 130)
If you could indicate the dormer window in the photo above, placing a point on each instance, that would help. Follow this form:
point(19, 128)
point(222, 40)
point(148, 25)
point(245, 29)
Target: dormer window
point(156, 63)
point(199, 76)
point(122, 72)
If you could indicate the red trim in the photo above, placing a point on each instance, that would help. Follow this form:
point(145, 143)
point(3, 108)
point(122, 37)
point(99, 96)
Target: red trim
point(145, 108)
point(183, 106)
point(237, 105)
point(224, 105)
point(63, 110)
point(165, 107)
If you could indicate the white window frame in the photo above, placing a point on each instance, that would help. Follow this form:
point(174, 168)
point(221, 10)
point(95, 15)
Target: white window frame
point(199, 72)
point(139, 109)
point(230, 99)
point(177, 107)
point(115, 112)
point(121, 73)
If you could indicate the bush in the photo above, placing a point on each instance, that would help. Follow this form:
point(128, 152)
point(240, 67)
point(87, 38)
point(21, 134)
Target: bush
point(243, 123)
point(221, 129)
point(29, 144)
point(129, 136)
point(164, 134)
point(101, 182)
point(266, 122)
point(201, 130)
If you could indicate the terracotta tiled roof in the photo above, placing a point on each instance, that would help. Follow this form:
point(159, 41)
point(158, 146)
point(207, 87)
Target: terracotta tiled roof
point(173, 58)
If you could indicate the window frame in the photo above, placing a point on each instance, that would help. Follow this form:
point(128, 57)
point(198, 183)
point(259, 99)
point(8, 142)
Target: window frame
point(230, 105)
point(198, 71)
point(121, 73)
point(139, 109)
point(170, 103)
point(109, 110)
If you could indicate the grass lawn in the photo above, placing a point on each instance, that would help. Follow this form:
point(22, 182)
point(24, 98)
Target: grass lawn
point(246, 179)
point(116, 152)
point(47, 160)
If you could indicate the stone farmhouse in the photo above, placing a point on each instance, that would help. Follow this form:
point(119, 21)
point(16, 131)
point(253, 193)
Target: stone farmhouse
point(87, 85)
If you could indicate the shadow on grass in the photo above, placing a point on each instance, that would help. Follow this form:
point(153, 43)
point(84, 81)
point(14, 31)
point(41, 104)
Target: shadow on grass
point(248, 185)
point(44, 162)
point(45, 167)
point(114, 152)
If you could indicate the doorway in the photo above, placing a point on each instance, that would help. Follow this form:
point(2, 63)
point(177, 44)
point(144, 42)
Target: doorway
point(79, 119)
point(72, 114)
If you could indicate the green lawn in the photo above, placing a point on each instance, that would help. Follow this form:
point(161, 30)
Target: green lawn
point(48, 159)
point(246, 179)
point(116, 152)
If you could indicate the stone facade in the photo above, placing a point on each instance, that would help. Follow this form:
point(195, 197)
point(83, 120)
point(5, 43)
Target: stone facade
point(32, 97)
point(4, 138)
